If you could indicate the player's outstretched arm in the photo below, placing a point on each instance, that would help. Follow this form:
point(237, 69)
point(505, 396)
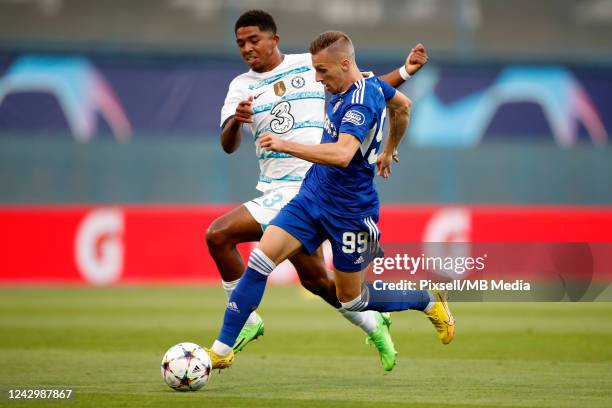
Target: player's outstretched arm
point(415, 61)
point(231, 134)
point(399, 116)
point(333, 154)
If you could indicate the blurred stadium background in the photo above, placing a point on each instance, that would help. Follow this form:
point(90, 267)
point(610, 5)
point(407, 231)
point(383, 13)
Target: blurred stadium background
point(110, 164)
point(111, 171)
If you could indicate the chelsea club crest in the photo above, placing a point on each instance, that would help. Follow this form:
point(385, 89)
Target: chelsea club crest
point(298, 82)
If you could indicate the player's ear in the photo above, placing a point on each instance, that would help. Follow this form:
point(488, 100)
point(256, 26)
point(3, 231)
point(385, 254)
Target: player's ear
point(276, 39)
point(345, 64)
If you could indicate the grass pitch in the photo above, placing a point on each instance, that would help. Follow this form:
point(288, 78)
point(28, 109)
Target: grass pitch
point(107, 345)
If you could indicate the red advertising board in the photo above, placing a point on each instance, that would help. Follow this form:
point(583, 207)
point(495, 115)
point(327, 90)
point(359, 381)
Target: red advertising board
point(147, 244)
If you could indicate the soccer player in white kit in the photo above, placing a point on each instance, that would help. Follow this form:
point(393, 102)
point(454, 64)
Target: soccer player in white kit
point(279, 94)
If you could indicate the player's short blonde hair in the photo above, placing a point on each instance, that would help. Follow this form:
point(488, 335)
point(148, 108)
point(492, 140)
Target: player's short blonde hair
point(329, 38)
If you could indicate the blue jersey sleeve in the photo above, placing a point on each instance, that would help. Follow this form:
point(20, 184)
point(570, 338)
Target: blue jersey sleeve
point(357, 121)
point(387, 90)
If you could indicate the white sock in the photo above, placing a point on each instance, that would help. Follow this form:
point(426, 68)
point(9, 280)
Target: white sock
point(229, 287)
point(252, 318)
point(365, 320)
point(431, 303)
point(221, 349)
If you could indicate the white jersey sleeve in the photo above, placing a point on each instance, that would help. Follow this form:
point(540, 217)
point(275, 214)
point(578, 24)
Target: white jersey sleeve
point(237, 92)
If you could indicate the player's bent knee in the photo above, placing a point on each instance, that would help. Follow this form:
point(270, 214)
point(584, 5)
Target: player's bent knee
point(216, 235)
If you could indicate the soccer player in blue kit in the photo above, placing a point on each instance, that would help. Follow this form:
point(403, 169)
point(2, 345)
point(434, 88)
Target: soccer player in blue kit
point(279, 93)
point(337, 200)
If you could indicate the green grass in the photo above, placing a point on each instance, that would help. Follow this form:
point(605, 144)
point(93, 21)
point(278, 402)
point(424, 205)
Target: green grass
point(107, 344)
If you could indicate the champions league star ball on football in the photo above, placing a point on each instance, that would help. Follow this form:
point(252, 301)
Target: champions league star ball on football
point(186, 367)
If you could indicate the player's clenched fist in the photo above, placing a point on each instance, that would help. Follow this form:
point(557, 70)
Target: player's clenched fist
point(244, 111)
point(271, 142)
point(416, 59)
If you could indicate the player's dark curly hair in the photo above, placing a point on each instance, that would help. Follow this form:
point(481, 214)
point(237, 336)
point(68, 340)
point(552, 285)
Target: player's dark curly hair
point(256, 18)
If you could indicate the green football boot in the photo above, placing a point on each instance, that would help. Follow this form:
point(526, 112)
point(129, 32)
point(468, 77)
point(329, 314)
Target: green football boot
point(248, 334)
point(381, 338)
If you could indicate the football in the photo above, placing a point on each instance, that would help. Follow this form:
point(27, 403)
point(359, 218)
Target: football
point(186, 367)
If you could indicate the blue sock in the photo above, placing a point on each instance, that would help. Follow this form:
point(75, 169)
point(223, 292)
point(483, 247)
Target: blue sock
point(246, 297)
point(389, 300)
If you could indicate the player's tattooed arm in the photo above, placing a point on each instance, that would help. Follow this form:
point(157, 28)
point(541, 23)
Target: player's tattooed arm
point(399, 116)
point(415, 61)
point(231, 134)
point(333, 154)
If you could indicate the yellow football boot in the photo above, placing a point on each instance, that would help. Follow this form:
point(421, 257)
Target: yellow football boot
point(441, 317)
point(221, 362)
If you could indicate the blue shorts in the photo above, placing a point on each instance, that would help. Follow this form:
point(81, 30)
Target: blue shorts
point(354, 241)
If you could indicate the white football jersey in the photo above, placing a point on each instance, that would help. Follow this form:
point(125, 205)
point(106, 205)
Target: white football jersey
point(288, 102)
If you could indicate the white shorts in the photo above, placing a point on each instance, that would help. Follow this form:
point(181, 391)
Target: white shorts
point(266, 207)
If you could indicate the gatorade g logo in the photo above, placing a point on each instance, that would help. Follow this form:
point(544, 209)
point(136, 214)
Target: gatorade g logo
point(452, 224)
point(354, 117)
point(98, 246)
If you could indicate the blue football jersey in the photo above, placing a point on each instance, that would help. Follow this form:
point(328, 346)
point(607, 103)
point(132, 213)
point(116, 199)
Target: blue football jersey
point(361, 112)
